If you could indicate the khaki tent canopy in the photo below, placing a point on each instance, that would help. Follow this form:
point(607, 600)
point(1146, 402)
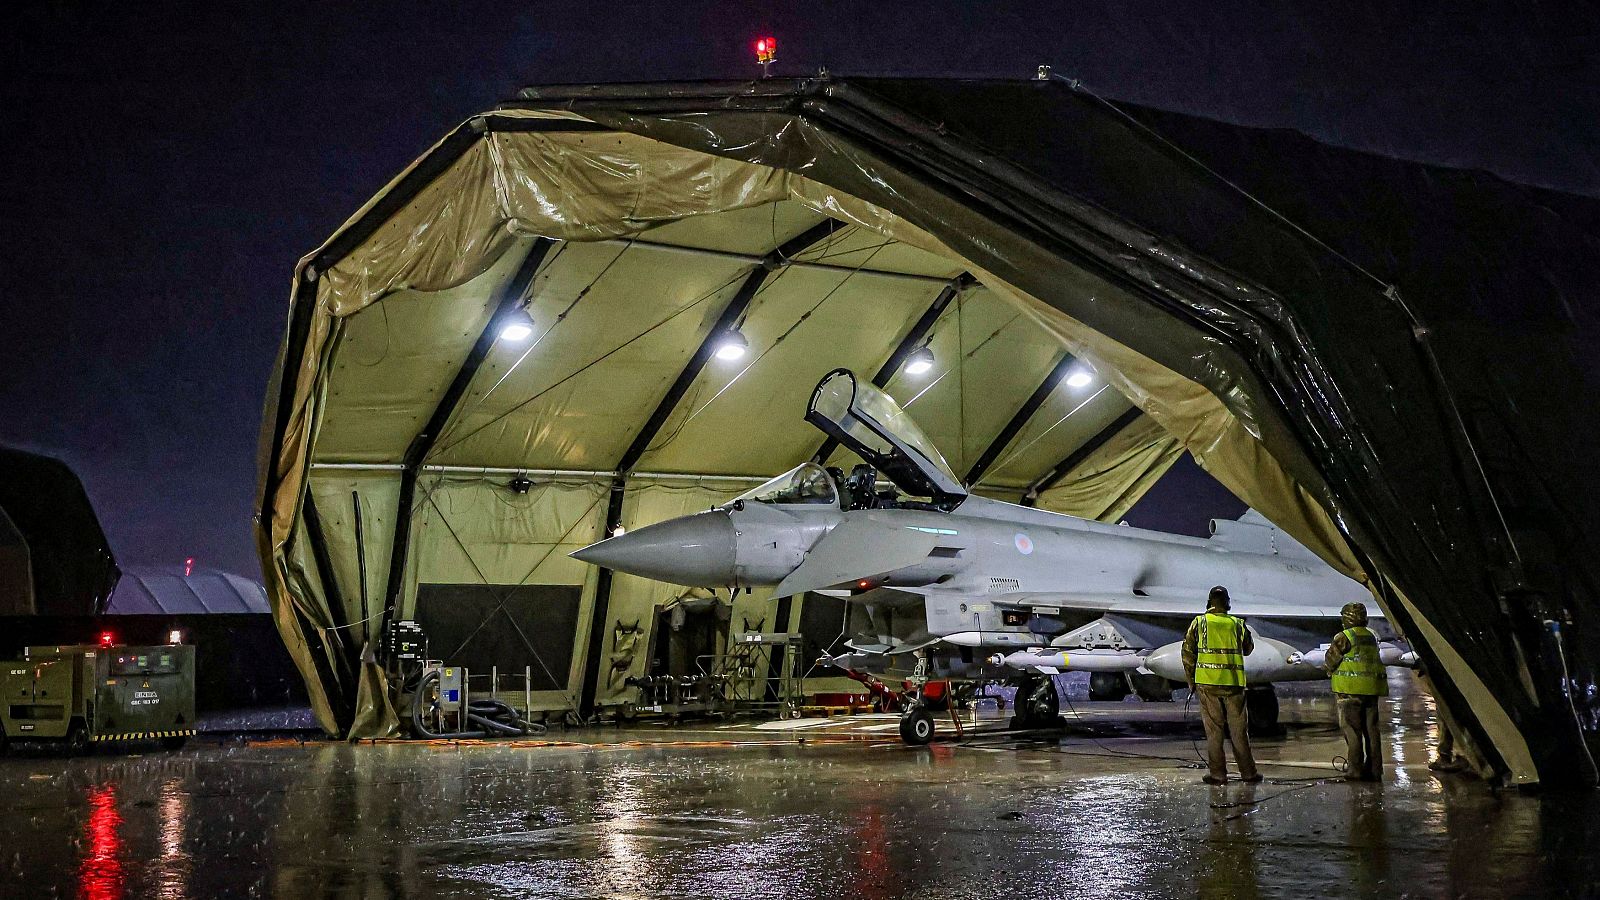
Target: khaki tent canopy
point(1019, 231)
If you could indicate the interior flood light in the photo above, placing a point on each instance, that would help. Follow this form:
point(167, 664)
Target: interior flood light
point(732, 344)
point(517, 326)
point(1078, 378)
point(920, 361)
point(174, 636)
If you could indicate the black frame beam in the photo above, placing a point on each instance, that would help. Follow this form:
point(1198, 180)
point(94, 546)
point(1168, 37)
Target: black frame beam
point(509, 302)
point(913, 337)
point(1025, 412)
point(730, 315)
point(341, 691)
point(1076, 457)
point(736, 307)
point(602, 607)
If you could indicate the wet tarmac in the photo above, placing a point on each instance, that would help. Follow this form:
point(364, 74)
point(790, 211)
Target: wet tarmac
point(1112, 808)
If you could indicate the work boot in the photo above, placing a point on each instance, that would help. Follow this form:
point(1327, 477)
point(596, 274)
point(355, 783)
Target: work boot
point(1448, 764)
point(1252, 779)
point(1212, 779)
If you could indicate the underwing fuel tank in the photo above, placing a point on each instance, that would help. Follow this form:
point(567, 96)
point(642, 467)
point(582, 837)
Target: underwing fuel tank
point(1388, 654)
point(1272, 660)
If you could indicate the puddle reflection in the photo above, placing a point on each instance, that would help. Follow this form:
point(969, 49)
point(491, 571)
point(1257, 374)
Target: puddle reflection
point(101, 874)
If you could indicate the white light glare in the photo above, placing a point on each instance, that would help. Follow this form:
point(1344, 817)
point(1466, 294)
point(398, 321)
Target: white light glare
point(920, 361)
point(517, 327)
point(1079, 378)
point(732, 345)
point(174, 637)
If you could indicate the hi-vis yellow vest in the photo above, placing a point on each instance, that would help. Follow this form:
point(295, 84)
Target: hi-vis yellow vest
point(1361, 672)
point(1219, 656)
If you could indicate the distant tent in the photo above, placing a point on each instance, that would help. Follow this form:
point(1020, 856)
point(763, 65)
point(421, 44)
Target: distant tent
point(165, 590)
point(54, 558)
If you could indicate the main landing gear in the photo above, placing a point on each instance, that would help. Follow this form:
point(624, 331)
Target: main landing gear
point(1261, 711)
point(1037, 704)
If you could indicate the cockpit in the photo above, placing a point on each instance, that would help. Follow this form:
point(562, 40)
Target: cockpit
point(864, 419)
point(805, 483)
point(809, 483)
point(812, 484)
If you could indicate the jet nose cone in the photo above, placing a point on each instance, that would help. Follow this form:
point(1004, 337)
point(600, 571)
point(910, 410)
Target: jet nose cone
point(696, 551)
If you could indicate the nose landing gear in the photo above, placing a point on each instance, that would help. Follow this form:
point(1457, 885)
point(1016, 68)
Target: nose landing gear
point(916, 725)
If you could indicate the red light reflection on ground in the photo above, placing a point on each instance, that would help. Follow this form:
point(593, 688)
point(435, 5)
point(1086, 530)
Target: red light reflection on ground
point(100, 875)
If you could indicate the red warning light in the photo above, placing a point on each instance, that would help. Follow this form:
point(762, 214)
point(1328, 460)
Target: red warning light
point(188, 566)
point(107, 639)
point(766, 52)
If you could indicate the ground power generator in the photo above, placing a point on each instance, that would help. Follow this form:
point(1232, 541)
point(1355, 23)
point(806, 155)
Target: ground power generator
point(83, 695)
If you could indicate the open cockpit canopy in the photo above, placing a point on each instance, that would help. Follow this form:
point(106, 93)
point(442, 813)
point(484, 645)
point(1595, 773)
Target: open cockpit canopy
point(868, 421)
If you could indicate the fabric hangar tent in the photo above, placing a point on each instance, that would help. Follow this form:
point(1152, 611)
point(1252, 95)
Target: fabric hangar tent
point(54, 558)
point(1363, 349)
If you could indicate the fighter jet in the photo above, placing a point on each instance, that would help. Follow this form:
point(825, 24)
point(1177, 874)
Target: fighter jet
point(949, 590)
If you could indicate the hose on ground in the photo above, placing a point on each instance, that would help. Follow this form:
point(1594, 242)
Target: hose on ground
point(492, 716)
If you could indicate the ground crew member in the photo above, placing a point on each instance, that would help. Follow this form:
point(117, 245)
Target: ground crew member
point(1359, 679)
point(1213, 657)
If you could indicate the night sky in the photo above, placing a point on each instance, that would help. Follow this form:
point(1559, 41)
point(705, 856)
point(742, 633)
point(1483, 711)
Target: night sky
point(164, 168)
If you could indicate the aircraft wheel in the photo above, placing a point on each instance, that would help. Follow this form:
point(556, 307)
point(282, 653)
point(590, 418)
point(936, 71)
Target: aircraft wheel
point(1108, 686)
point(916, 726)
point(1021, 709)
point(1152, 688)
point(1261, 708)
point(1046, 703)
point(1037, 704)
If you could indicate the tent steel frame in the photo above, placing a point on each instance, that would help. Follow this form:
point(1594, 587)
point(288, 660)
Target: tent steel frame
point(913, 337)
point(351, 653)
point(1076, 457)
point(1020, 418)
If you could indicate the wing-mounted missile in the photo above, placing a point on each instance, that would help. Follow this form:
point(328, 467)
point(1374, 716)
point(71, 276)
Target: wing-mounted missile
point(1050, 662)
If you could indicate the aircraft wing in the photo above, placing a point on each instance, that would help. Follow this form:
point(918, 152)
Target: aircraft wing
point(1155, 602)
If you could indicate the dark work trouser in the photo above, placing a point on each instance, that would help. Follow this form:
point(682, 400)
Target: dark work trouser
point(1224, 716)
point(1358, 719)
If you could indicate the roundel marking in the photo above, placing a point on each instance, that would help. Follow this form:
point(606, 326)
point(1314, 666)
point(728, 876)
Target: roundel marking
point(1024, 543)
